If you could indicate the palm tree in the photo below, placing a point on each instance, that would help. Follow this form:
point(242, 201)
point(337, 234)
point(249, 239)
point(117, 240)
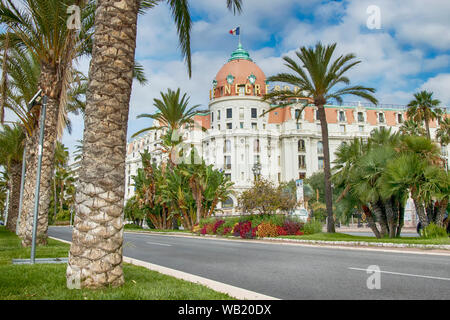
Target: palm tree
point(423, 108)
point(40, 28)
point(443, 132)
point(412, 128)
point(12, 140)
point(317, 76)
point(96, 250)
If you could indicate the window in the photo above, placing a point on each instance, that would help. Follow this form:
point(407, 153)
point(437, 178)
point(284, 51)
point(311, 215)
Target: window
point(254, 126)
point(228, 176)
point(360, 117)
point(229, 113)
point(256, 159)
point(342, 128)
point(381, 117)
point(227, 146)
point(229, 125)
point(218, 114)
point(297, 113)
point(241, 125)
point(242, 90)
point(341, 116)
point(227, 160)
point(279, 177)
point(241, 113)
point(264, 126)
point(399, 118)
point(299, 125)
point(301, 175)
point(218, 127)
point(301, 161)
point(319, 147)
point(320, 160)
point(317, 114)
point(256, 147)
point(253, 111)
point(301, 145)
point(279, 160)
point(212, 116)
point(361, 128)
point(228, 203)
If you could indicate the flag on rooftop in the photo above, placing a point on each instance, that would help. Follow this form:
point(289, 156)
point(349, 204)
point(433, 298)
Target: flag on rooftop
point(235, 31)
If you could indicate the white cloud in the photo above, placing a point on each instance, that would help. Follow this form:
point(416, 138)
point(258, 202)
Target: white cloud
point(440, 85)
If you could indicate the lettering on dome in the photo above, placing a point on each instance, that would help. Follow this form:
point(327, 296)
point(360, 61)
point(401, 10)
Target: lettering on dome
point(247, 89)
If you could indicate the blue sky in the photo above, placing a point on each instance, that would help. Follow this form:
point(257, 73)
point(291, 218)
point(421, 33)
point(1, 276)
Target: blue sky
point(410, 52)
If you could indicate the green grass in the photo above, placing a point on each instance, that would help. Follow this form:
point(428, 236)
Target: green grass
point(48, 281)
point(348, 237)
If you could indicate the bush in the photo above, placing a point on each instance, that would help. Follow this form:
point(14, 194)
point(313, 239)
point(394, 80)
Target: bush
point(434, 231)
point(312, 226)
point(292, 227)
point(267, 229)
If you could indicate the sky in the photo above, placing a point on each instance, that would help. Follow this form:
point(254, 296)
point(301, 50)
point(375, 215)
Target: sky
point(410, 51)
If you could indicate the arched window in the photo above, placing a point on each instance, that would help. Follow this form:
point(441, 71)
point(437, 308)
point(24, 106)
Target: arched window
point(228, 203)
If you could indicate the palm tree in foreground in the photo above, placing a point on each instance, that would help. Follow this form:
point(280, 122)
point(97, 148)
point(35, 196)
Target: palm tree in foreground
point(95, 258)
point(423, 108)
point(317, 77)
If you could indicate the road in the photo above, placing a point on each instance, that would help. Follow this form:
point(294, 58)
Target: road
point(291, 271)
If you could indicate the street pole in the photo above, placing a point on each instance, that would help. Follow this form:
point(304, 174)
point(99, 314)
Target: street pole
point(38, 180)
point(22, 182)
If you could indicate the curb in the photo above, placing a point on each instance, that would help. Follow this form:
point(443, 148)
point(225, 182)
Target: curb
point(235, 292)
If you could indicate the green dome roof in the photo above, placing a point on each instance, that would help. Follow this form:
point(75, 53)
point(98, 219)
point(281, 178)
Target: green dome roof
point(240, 53)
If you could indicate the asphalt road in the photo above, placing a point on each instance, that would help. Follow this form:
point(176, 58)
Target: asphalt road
point(291, 271)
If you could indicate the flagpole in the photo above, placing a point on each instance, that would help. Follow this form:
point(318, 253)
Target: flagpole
point(239, 35)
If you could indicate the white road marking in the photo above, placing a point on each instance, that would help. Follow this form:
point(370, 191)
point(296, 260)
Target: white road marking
point(406, 274)
point(160, 244)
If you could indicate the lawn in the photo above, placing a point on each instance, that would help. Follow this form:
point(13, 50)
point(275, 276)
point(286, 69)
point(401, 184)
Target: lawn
point(347, 237)
point(48, 281)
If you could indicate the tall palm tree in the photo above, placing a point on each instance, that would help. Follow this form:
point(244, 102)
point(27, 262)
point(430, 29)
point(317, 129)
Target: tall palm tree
point(12, 140)
point(40, 28)
point(96, 252)
point(423, 108)
point(317, 77)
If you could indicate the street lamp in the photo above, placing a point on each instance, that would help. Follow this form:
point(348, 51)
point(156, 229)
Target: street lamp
point(256, 170)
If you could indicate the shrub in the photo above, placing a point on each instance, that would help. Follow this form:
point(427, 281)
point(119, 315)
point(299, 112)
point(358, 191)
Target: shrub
point(217, 225)
point(227, 230)
point(210, 220)
point(312, 226)
point(276, 219)
point(281, 231)
point(267, 229)
point(292, 227)
point(434, 231)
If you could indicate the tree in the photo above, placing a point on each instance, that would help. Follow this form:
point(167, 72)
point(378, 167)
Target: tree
point(96, 249)
point(12, 141)
point(263, 197)
point(40, 28)
point(412, 128)
point(443, 132)
point(423, 108)
point(317, 77)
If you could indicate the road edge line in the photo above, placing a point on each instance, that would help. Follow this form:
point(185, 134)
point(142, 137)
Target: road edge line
point(236, 292)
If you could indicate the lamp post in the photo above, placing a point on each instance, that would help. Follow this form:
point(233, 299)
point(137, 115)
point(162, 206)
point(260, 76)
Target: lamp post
point(256, 170)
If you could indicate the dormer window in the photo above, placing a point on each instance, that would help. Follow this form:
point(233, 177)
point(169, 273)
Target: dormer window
point(230, 79)
point(252, 79)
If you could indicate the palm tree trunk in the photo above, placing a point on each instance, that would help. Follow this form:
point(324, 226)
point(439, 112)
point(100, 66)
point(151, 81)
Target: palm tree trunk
point(97, 242)
point(50, 83)
point(440, 215)
point(427, 126)
point(379, 214)
point(391, 218)
point(14, 198)
point(401, 219)
point(327, 169)
point(420, 210)
point(371, 221)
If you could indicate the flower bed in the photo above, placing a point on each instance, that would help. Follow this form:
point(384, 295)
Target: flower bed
point(253, 226)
